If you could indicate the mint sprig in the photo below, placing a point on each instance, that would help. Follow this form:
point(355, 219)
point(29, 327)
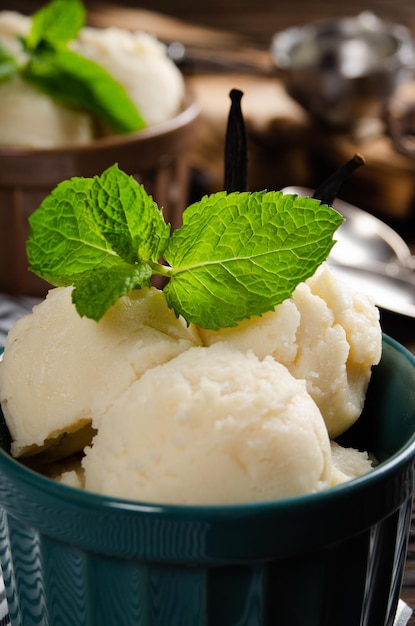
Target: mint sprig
point(65, 75)
point(236, 255)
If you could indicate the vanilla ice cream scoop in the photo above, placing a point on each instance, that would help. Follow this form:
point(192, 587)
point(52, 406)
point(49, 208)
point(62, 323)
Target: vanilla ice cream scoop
point(326, 334)
point(29, 117)
point(211, 426)
point(140, 63)
point(12, 26)
point(349, 463)
point(61, 371)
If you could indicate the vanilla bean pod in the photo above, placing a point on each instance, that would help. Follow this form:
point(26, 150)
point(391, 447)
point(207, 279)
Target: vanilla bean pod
point(327, 191)
point(235, 175)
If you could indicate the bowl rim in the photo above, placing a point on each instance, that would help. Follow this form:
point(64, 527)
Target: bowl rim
point(103, 503)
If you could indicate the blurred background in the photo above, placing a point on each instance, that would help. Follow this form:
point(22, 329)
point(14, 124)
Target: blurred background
point(227, 45)
point(257, 20)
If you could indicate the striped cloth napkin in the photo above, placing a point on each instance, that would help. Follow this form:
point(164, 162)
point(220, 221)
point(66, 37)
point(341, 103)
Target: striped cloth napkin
point(11, 308)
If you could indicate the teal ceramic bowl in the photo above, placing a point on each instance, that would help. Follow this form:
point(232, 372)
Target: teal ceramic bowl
point(72, 558)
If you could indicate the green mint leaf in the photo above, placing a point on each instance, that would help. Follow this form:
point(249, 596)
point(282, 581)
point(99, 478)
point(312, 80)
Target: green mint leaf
point(128, 217)
point(57, 23)
point(239, 255)
point(96, 291)
point(64, 239)
point(81, 83)
point(101, 234)
point(8, 64)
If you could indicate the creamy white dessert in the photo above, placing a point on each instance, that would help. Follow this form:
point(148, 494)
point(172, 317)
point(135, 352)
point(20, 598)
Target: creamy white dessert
point(212, 426)
point(13, 25)
point(29, 117)
point(140, 63)
point(327, 334)
point(160, 417)
point(60, 371)
point(348, 463)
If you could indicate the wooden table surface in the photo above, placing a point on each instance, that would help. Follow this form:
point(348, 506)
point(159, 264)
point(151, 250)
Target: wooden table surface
point(243, 24)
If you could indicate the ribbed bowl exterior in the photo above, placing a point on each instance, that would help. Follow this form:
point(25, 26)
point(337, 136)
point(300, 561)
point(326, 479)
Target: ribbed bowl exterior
point(336, 558)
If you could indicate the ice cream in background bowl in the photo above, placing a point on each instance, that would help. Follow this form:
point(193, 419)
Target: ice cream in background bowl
point(44, 141)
